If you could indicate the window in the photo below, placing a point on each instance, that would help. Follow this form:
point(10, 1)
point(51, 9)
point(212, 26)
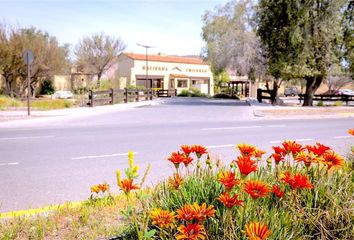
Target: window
point(182, 83)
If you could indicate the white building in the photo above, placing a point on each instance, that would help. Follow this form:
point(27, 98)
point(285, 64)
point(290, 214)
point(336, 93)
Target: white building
point(164, 72)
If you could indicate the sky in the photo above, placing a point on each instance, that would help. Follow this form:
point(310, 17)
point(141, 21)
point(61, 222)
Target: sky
point(172, 27)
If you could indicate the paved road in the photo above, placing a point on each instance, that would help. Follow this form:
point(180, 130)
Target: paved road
point(58, 160)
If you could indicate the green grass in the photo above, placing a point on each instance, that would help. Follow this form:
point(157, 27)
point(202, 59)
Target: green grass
point(46, 104)
point(87, 220)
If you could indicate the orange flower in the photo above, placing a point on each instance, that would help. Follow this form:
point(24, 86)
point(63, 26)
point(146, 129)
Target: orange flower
point(292, 147)
point(190, 212)
point(199, 150)
point(177, 158)
point(103, 187)
point(186, 213)
point(95, 189)
point(228, 179)
point(317, 149)
point(297, 181)
point(246, 149)
point(187, 150)
point(258, 153)
point(127, 185)
point(191, 232)
point(331, 159)
point(246, 165)
point(175, 181)
point(351, 131)
point(256, 189)
point(277, 191)
point(229, 201)
point(307, 158)
point(162, 218)
point(257, 231)
point(202, 212)
point(278, 157)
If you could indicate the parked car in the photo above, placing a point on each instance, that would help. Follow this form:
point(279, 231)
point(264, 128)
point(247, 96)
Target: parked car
point(291, 91)
point(63, 94)
point(346, 92)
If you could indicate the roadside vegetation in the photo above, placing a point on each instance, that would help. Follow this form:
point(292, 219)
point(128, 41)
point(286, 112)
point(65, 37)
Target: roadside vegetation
point(295, 192)
point(8, 103)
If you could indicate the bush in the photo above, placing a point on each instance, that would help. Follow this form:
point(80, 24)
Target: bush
point(300, 192)
point(225, 96)
point(320, 104)
point(51, 104)
point(193, 92)
point(338, 103)
point(47, 87)
point(6, 102)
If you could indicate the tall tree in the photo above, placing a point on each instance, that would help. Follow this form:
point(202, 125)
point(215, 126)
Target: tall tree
point(50, 58)
point(97, 53)
point(301, 39)
point(231, 39)
point(348, 37)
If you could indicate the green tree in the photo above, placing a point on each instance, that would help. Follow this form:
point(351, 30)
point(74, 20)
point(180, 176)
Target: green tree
point(231, 41)
point(348, 37)
point(97, 53)
point(220, 78)
point(50, 58)
point(301, 39)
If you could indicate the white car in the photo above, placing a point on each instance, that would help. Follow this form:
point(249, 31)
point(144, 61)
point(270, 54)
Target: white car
point(63, 94)
point(346, 92)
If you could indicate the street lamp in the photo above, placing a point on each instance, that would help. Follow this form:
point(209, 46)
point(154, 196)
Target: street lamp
point(146, 60)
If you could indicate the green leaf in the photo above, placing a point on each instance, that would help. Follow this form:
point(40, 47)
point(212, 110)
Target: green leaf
point(149, 234)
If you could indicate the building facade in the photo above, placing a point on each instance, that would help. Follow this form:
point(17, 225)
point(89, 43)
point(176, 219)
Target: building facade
point(164, 72)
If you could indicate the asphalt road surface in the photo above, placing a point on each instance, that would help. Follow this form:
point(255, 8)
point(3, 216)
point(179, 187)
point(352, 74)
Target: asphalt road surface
point(54, 161)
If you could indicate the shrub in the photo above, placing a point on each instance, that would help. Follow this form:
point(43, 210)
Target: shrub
point(193, 92)
point(185, 93)
point(51, 104)
point(338, 103)
point(47, 87)
point(320, 104)
point(6, 102)
point(300, 192)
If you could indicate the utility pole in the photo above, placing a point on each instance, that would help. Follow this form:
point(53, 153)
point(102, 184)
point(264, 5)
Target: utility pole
point(146, 63)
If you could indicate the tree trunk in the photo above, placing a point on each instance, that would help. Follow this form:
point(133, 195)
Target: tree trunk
point(312, 84)
point(99, 75)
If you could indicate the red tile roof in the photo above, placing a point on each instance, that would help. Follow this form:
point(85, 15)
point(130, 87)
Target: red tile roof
point(161, 58)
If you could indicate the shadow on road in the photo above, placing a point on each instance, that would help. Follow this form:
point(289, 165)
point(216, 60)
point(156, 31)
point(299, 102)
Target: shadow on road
point(196, 101)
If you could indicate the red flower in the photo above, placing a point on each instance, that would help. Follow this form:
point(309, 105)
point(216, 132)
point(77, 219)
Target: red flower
point(318, 149)
point(292, 147)
point(246, 165)
point(331, 159)
point(257, 231)
point(279, 150)
point(199, 150)
point(256, 189)
point(246, 149)
point(228, 179)
point(277, 191)
point(191, 232)
point(297, 181)
point(351, 131)
point(229, 201)
point(127, 185)
point(186, 149)
point(278, 157)
point(177, 158)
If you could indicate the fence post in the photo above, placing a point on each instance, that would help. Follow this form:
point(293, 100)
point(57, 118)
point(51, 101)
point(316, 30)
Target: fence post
point(125, 95)
point(175, 92)
point(259, 95)
point(151, 94)
point(137, 95)
point(111, 94)
point(91, 98)
point(147, 94)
